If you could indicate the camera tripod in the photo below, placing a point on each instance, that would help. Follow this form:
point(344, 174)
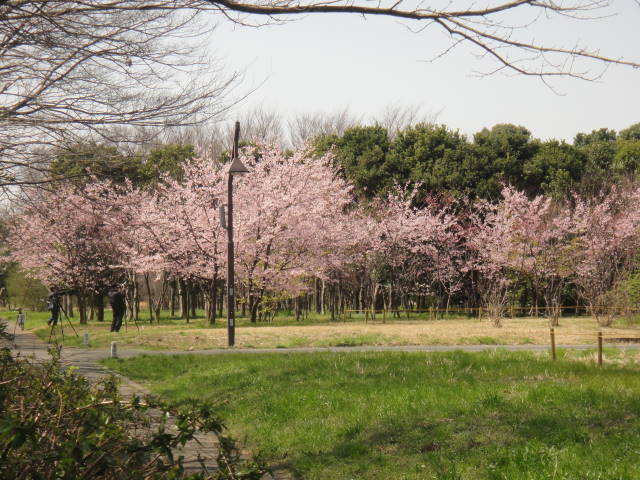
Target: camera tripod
point(19, 321)
point(52, 331)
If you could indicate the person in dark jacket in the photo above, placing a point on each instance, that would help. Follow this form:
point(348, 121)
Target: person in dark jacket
point(53, 305)
point(118, 307)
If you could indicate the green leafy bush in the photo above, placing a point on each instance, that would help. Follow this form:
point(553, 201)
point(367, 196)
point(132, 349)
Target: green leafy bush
point(54, 425)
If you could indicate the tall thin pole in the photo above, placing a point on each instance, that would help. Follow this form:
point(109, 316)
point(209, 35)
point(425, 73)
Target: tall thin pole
point(231, 292)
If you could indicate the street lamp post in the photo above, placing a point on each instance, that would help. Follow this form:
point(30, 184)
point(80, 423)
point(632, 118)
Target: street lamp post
point(236, 168)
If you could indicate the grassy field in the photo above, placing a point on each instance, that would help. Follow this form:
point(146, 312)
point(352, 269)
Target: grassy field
point(493, 415)
point(285, 332)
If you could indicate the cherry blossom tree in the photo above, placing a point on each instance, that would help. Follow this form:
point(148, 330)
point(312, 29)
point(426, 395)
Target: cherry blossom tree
point(608, 229)
point(290, 217)
point(298, 226)
point(408, 251)
point(489, 243)
point(174, 231)
point(541, 234)
point(65, 239)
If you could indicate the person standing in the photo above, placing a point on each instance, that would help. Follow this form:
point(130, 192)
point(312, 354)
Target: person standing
point(53, 304)
point(20, 319)
point(118, 307)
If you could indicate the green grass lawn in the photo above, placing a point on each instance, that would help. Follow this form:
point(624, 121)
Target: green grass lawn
point(493, 415)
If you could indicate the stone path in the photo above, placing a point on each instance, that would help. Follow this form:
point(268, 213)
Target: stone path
point(26, 344)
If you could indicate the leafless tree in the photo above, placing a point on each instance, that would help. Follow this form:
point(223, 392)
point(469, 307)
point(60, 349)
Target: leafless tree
point(395, 118)
point(307, 126)
point(259, 124)
point(107, 70)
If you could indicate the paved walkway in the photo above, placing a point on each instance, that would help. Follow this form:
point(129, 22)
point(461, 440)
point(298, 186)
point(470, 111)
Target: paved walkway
point(26, 344)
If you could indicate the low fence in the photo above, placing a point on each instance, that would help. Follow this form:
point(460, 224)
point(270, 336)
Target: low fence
point(601, 339)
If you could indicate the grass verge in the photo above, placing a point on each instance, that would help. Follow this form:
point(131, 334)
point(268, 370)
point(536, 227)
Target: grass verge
point(176, 334)
point(492, 415)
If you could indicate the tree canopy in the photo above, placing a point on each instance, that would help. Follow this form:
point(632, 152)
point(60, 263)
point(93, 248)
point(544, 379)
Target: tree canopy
point(442, 160)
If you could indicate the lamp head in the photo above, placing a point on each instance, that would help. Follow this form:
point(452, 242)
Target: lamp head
point(237, 167)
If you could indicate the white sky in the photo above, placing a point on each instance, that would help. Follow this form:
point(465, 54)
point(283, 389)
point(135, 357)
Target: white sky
point(329, 62)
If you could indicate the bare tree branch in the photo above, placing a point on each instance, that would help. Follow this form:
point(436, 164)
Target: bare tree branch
point(491, 28)
point(107, 70)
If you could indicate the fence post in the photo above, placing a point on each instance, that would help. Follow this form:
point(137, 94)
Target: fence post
point(600, 348)
point(553, 343)
point(114, 350)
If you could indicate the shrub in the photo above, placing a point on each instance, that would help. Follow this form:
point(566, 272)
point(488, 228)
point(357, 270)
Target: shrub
point(54, 425)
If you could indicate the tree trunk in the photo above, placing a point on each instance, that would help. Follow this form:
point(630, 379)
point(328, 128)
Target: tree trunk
point(318, 300)
point(149, 296)
point(69, 305)
point(221, 302)
point(253, 308)
point(184, 300)
point(82, 309)
point(193, 297)
point(173, 298)
point(213, 297)
point(157, 309)
point(374, 296)
point(99, 306)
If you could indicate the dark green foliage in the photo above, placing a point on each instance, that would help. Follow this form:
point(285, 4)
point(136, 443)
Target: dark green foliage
point(361, 153)
point(53, 425)
point(603, 135)
point(444, 161)
point(597, 172)
point(166, 160)
point(627, 157)
point(102, 161)
point(508, 143)
point(632, 133)
point(506, 149)
point(77, 162)
point(431, 155)
point(555, 169)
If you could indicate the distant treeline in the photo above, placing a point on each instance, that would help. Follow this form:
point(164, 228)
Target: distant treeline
point(374, 158)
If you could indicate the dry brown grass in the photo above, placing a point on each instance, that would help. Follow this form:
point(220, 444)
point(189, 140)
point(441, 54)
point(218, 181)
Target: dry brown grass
point(518, 331)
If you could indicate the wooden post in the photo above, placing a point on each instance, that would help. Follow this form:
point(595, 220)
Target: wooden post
point(600, 348)
point(553, 343)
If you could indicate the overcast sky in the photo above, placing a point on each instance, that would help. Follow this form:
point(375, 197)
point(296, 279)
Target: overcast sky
point(329, 62)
